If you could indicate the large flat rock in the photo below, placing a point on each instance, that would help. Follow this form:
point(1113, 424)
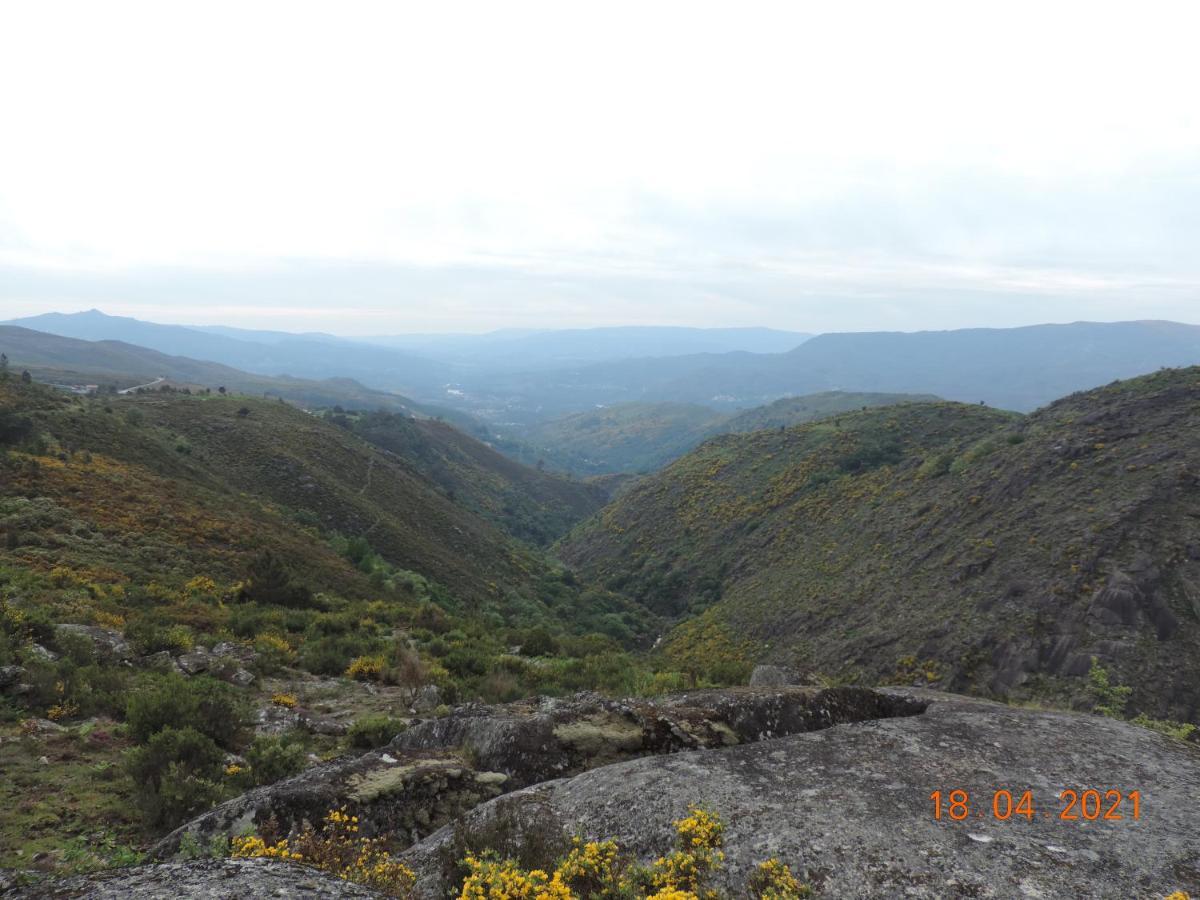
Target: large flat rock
point(434, 772)
point(225, 879)
point(850, 806)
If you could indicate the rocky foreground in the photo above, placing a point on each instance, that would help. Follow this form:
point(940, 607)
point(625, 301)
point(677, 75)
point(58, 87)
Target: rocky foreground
point(835, 783)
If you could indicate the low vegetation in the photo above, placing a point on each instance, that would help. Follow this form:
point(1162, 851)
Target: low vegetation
point(1000, 551)
point(595, 870)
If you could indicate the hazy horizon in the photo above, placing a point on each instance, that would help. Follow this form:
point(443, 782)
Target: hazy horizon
point(466, 168)
point(551, 329)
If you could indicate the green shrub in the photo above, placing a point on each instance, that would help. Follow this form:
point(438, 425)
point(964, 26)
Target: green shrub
point(211, 707)
point(176, 774)
point(149, 635)
point(331, 654)
point(374, 731)
point(268, 582)
point(1110, 699)
point(465, 662)
point(537, 642)
point(272, 758)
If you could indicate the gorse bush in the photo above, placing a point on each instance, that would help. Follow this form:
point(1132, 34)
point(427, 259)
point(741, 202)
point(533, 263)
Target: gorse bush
point(337, 848)
point(597, 870)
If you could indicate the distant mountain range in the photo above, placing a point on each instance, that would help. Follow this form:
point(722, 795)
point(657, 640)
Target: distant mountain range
point(1010, 368)
point(62, 360)
point(516, 379)
point(257, 352)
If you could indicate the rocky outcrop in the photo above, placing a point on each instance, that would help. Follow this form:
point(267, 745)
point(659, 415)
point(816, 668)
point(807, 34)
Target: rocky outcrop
point(850, 808)
point(400, 795)
point(108, 644)
point(775, 676)
point(539, 739)
point(225, 879)
point(440, 768)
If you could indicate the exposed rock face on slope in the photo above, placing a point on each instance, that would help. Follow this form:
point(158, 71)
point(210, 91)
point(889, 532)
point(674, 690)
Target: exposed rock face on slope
point(850, 806)
point(436, 771)
point(225, 879)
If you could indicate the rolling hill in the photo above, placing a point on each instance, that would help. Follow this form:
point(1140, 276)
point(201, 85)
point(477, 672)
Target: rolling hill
point(209, 481)
point(63, 360)
point(262, 353)
point(791, 411)
point(530, 504)
point(642, 437)
point(983, 551)
point(625, 437)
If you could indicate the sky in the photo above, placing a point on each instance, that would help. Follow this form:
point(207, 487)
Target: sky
point(391, 167)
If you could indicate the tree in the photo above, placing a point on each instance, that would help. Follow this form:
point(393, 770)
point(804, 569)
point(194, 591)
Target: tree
point(26, 378)
point(270, 582)
point(4, 367)
point(221, 389)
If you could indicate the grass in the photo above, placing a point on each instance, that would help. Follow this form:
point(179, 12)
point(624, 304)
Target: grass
point(86, 821)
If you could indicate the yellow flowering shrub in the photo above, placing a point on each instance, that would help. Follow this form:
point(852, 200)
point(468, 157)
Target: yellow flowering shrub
point(115, 621)
point(288, 701)
point(700, 837)
point(495, 879)
point(366, 668)
point(233, 770)
point(62, 710)
point(199, 586)
point(254, 847)
point(596, 870)
point(772, 880)
point(274, 650)
point(337, 849)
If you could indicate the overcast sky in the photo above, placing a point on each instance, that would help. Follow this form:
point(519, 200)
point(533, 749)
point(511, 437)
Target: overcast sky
point(357, 167)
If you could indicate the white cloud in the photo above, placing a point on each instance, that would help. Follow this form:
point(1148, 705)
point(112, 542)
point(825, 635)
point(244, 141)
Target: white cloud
point(948, 146)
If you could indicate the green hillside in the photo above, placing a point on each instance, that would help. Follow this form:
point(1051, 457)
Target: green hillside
point(993, 553)
point(625, 437)
point(335, 574)
point(530, 504)
point(166, 487)
point(643, 437)
point(808, 408)
point(63, 360)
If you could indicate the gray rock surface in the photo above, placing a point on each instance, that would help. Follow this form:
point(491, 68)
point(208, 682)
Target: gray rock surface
point(539, 739)
point(239, 677)
point(849, 806)
point(243, 654)
point(443, 767)
point(226, 879)
point(195, 662)
point(10, 676)
point(775, 676)
point(109, 644)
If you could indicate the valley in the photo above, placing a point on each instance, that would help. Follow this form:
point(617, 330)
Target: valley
point(215, 599)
